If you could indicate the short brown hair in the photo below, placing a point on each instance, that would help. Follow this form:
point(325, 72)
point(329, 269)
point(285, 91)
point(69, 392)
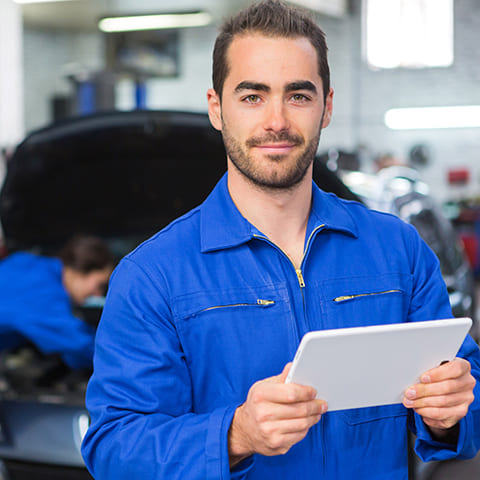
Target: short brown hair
point(272, 18)
point(86, 253)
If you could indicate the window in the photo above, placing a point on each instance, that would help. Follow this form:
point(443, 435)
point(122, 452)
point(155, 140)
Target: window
point(408, 33)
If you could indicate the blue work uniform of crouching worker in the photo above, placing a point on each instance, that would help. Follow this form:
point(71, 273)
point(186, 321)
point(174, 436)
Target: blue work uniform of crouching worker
point(35, 307)
point(209, 305)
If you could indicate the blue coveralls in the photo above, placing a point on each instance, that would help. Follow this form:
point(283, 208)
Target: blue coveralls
point(35, 306)
point(209, 305)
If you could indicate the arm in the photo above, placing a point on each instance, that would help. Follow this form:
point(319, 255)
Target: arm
point(445, 415)
point(57, 331)
point(462, 439)
point(140, 397)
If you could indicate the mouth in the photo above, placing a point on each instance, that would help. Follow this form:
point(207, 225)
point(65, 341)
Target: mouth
point(276, 148)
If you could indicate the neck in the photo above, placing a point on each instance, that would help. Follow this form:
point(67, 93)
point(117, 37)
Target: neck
point(282, 215)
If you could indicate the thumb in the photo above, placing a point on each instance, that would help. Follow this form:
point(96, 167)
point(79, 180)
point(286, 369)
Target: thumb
point(280, 378)
point(283, 376)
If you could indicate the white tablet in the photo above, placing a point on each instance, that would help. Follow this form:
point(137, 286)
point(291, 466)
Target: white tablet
point(367, 366)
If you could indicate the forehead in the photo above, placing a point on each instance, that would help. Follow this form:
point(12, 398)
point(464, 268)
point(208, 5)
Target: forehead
point(271, 60)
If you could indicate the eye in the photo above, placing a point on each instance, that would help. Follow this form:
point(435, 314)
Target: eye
point(252, 98)
point(299, 97)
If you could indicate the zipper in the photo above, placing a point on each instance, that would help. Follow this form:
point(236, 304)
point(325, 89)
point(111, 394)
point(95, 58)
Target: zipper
point(301, 281)
point(344, 298)
point(260, 302)
point(298, 270)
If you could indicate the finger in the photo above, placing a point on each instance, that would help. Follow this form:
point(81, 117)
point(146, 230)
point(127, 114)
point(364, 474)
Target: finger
point(279, 411)
point(267, 391)
point(454, 369)
point(441, 401)
point(466, 383)
point(279, 444)
point(298, 425)
point(286, 369)
point(442, 417)
point(276, 432)
point(281, 377)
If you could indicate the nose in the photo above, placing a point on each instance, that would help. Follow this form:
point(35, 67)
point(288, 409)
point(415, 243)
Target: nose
point(276, 116)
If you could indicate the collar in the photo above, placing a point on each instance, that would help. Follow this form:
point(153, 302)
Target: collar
point(222, 226)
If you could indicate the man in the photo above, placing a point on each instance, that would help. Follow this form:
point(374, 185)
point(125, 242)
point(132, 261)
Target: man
point(37, 293)
point(201, 319)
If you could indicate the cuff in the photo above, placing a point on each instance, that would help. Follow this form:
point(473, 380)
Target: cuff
point(429, 449)
point(216, 449)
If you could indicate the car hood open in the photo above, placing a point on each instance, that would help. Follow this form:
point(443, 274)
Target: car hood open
point(117, 175)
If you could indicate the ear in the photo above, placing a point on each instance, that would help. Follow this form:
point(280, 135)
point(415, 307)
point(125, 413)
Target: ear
point(327, 116)
point(214, 109)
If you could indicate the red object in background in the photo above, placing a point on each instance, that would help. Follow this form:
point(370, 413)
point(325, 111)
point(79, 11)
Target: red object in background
point(458, 176)
point(471, 243)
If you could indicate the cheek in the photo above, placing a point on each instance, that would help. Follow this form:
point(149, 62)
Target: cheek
point(240, 122)
point(87, 288)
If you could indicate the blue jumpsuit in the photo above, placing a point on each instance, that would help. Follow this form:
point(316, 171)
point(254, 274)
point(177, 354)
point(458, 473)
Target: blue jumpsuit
point(35, 307)
point(209, 305)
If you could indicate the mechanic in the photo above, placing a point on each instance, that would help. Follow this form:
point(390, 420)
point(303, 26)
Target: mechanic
point(37, 294)
point(201, 320)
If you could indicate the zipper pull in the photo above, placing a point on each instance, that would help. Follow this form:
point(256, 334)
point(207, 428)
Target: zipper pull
point(265, 302)
point(300, 278)
point(343, 298)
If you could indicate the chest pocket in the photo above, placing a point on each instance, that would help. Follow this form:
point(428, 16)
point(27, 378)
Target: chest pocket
point(369, 414)
point(234, 337)
point(365, 300)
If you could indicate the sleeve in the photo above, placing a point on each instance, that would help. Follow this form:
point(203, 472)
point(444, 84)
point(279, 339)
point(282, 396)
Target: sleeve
point(430, 301)
point(469, 436)
point(140, 395)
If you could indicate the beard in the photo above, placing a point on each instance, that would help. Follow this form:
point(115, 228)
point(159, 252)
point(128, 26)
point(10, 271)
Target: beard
point(290, 172)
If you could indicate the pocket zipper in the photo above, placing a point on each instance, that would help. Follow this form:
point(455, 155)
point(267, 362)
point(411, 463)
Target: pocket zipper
point(349, 297)
point(260, 302)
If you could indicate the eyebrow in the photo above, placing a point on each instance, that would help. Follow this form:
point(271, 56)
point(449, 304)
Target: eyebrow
point(247, 85)
point(262, 87)
point(301, 85)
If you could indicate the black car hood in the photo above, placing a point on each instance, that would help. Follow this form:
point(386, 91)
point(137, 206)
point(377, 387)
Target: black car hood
point(117, 175)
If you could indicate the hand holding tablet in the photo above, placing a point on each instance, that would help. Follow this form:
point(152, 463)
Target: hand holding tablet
point(374, 365)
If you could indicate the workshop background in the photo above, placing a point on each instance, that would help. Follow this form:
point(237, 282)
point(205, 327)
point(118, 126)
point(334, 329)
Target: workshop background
point(56, 63)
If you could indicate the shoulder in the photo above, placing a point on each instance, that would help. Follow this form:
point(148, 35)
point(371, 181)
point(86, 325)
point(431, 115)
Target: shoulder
point(381, 230)
point(29, 263)
point(164, 251)
point(181, 234)
point(368, 220)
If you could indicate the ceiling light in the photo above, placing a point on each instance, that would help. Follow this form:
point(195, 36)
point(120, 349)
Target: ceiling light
point(433, 117)
point(153, 22)
point(39, 1)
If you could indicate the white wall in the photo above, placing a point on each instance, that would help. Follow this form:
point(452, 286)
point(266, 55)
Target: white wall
point(11, 74)
point(188, 90)
point(48, 58)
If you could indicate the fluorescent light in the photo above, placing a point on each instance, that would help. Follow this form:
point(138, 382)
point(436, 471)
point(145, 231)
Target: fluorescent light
point(433, 117)
point(39, 1)
point(153, 22)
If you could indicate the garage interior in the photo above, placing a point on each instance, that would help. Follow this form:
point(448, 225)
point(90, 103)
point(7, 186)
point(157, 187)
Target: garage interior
point(412, 105)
